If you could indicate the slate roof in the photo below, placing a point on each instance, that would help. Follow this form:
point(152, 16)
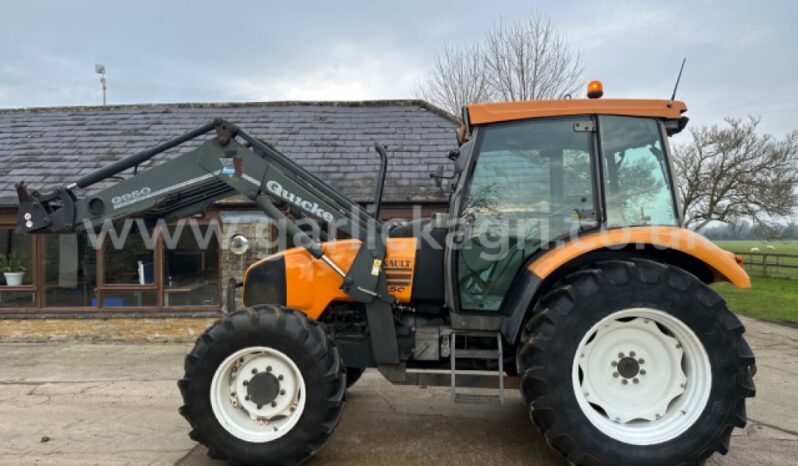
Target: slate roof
point(47, 147)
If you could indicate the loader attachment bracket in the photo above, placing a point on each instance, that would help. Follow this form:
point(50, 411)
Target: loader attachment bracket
point(54, 211)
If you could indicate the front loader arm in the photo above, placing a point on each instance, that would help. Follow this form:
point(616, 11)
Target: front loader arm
point(219, 168)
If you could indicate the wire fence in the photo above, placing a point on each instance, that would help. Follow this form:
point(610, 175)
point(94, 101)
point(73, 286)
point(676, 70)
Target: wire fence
point(766, 264)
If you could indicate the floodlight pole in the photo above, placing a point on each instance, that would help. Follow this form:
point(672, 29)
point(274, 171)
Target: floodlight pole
point(100, 69)
point(102, 80)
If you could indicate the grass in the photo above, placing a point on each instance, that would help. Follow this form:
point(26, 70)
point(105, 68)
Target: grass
point(771, 299)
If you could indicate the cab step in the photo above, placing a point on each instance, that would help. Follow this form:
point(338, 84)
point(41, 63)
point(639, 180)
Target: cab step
point(466, 353)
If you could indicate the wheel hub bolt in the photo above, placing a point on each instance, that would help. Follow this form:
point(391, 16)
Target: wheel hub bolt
point(260, 406)
point(615, 374)
point(624, 381)
point(268, 368)
point(246, 382)
point(254, 371)
point(280, 377)
point(614, 363)
point(282, 392)
point(641, 361)
point(632, 354)
point(620, 355)
point(635, 380)
point(274, 404)
point(642, 372)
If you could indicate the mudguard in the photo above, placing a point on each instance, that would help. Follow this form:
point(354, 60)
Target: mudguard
point(723, 264)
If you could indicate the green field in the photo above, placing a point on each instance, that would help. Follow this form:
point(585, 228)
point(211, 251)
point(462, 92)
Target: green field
point(773, 299)
point(780, 247)
point(769, 261)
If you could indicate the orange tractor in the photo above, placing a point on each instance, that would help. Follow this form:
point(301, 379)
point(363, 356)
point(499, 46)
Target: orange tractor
point(562, 269)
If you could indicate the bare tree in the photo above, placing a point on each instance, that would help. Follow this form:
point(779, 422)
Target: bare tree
point(523, 60)
point(731, 172)
point(457, 78)
point(530, 61)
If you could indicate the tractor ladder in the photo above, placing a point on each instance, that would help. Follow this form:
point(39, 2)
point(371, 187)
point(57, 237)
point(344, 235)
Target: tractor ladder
point(484, 354)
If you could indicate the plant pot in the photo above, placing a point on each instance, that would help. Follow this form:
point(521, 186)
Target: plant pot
point(14, 278)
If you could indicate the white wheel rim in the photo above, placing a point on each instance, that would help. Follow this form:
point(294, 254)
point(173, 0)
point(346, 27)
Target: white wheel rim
point(236, 394)
point(641, 376)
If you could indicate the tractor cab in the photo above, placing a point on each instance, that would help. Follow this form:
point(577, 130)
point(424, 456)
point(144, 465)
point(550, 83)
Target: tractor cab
point(533, 175)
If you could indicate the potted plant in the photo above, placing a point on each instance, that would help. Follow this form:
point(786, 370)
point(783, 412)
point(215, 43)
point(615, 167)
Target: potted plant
point(13, 269)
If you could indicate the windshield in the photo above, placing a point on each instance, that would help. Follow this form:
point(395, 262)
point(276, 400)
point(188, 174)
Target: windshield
point(636, 182)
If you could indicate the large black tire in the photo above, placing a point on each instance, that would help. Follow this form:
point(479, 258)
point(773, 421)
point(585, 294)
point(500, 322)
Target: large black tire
point(565, 315)
point(353, 374)
point(308, 346)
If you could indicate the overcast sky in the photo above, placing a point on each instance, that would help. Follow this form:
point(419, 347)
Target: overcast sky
point(741, 56)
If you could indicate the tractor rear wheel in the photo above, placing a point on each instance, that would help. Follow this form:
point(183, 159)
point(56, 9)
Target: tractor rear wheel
point(264, 385)
point(635, 362)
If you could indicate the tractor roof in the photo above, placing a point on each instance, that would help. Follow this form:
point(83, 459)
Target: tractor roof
point(480, 114)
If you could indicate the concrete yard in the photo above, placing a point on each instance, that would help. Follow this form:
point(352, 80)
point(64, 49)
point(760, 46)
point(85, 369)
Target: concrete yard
point(93, 403)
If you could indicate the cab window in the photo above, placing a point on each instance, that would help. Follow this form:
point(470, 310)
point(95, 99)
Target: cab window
point(636, 182)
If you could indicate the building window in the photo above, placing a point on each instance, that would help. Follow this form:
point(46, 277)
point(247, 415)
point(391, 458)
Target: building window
point(17, 299)
point(121, 298)
point(70, 266)
point(131, 264)
point(17, 254)
point(191, 266)
point(145, 272)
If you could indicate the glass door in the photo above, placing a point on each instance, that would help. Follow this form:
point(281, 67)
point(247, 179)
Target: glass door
point(531, 183)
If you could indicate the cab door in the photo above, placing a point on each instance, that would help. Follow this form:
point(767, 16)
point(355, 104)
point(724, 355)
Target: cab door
point(527, 184)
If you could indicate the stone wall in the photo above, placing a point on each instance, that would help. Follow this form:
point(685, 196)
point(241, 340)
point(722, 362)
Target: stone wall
point(256, 228)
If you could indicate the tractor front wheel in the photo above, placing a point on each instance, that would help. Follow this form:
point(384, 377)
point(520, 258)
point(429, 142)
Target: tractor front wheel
point(635, 362)
point(263, 386)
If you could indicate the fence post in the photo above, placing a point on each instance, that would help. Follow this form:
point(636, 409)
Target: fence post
point(765, 265)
